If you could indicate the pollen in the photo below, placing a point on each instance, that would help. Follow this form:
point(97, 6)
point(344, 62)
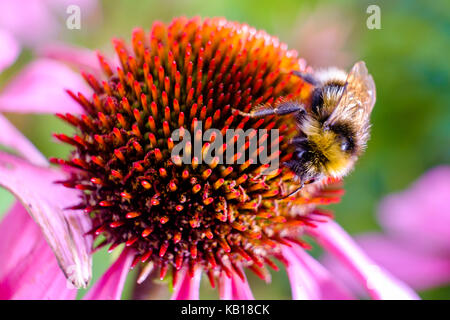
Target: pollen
point(215, 216)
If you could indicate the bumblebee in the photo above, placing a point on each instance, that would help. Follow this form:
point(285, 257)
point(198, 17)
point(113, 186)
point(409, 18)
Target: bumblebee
point(333, 128)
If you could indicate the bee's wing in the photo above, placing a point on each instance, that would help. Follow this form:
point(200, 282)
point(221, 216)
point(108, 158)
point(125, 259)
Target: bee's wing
point(358, 98)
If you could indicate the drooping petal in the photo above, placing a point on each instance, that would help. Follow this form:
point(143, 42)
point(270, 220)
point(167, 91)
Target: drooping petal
point(45, 201)
point(187, 288)
point(378, 282)
point(78, 57)
point(28, 268)
point(309, 279)
point(424, 270)
point(110, 285)
point(40, 88)
point(14, 139)
point(10, 49)
point(303, 286)
point(421, 214)
point(234, 288)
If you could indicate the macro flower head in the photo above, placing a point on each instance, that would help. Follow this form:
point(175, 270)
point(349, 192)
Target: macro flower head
point(123, 185)
point(215, 216)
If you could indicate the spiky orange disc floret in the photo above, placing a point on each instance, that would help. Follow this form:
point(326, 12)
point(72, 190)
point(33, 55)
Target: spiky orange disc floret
point(218, 217)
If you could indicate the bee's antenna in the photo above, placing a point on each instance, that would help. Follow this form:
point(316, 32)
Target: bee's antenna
point(306, 76)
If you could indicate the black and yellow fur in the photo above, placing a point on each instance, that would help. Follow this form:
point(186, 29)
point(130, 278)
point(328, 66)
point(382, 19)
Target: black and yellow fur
point(331, 135)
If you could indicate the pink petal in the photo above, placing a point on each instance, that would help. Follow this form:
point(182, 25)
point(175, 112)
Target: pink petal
point(421, 214)
point(234, 288)
point(418, 268)
point(225, 287)
point(14, 139)
point(45, 201)
point(379, 283)
point(78, 57)
point(309, 279)
point(187, 288)
point(12, 246)
point(110, 285)
point(9, 49)
point(40, 88)
point(29, 269)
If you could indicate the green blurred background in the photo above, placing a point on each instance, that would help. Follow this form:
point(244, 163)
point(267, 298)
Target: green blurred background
point(409, 60)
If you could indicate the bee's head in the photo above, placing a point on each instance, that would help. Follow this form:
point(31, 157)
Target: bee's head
point(344, 136)
point(331, 150)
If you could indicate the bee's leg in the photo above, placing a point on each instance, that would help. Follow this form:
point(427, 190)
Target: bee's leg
point(280, 110)
point(295, 191)
point(300, 187)
point(296, 167)
point(307, 77)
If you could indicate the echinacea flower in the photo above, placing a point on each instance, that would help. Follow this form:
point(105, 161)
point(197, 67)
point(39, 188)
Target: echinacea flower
point(183, 218)
point(415, 246)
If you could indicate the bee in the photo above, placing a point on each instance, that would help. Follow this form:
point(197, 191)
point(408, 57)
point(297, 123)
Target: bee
point(333, 127)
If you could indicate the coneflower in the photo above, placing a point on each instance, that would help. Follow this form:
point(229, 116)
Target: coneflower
point(188, 217)
point(214, 216)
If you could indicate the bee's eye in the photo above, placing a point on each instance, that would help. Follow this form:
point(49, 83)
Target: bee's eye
point(300, 154)
point(345, 144)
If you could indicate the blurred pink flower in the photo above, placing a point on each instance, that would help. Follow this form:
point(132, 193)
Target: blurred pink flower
point(37, 21)
point(10, 49)
point(30, 269)
point(324, 36)
point(11, 137)
point(34, 24)
point(415, 246)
